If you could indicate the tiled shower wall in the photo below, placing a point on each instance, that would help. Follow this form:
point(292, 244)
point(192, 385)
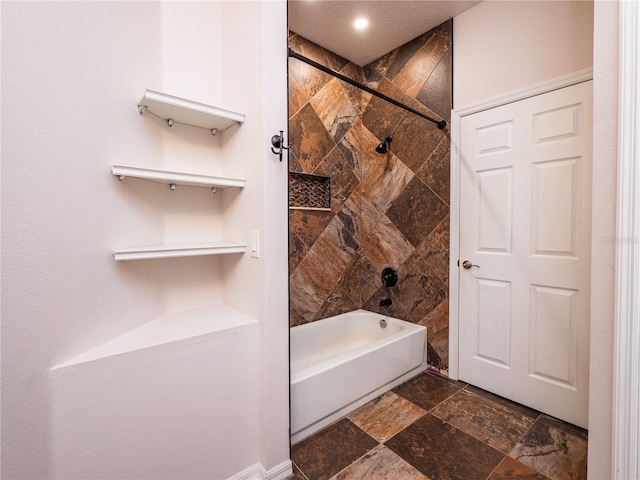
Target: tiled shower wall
point(386, 210)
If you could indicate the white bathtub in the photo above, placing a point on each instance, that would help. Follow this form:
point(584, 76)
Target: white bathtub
point(342, 362)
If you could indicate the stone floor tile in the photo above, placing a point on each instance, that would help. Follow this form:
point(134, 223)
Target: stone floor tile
point(524, 410)
point(554, 448)
point(443, 452)
point(297, 474)
point(510, 469)
point(380, 464)
point(427, 389)
point(385, 416)
point(331, 450)
point(483, 419)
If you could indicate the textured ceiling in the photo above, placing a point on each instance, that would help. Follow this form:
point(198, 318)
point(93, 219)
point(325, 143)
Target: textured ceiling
point(392, 23)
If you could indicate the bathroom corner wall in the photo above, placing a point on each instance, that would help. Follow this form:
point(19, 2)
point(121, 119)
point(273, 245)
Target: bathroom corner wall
point(386, 210)
point(71, 75)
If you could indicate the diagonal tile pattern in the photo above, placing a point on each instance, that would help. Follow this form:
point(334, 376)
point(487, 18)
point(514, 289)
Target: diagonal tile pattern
point(385, 416)
point(432, 428)
point(386, 210)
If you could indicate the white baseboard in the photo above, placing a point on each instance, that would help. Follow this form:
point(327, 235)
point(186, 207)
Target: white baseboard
point(257, 472)
point(279, 472)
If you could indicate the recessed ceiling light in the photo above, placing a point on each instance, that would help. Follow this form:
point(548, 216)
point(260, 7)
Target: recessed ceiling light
point(361, 23)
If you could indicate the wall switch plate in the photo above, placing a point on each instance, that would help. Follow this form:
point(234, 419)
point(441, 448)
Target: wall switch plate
point(255, 244)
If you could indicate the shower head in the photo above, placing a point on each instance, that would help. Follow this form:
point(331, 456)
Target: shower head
point(382, 148)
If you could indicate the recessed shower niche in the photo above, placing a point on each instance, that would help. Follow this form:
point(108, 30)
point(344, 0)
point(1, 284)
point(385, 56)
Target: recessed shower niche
point(309, 192)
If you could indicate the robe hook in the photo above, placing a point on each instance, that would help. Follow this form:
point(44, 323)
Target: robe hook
point(279, 147)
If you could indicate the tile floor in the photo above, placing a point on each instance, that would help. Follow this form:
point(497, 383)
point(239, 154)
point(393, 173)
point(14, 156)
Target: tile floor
point(433, 428)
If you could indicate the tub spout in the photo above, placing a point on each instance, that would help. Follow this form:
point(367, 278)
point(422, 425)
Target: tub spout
point(386, 302)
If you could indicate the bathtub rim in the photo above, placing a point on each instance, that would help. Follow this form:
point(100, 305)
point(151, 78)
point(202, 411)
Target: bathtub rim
point(408, 329)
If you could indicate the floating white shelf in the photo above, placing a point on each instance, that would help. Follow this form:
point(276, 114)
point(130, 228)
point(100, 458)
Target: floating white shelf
point(176, 178)
point(181, 326)
point(171, 251)
point(180, 110)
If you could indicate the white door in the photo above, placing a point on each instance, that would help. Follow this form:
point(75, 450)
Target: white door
point(525, 218)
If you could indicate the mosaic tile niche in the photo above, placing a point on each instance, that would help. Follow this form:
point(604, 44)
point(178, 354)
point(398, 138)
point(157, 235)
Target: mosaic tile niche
point(386, 210)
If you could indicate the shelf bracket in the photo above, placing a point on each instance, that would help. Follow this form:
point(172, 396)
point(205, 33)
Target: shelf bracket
point(141, 109)
point(214, 131)
point(121, 178)
point(214, 190)
point(172, 186)
point(170, 122)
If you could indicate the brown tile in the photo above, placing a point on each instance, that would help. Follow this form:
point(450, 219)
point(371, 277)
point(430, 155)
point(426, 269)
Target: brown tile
point(315, 277)
point(337, 245)
point(351, 146)
point(436, 93)
point(336, 62)
point(337, 303)
point(310, 50)
point(297, 250)
point(439, 343)
point(297, 474)
point(385, 245)
point(441, 451)
point(382, 64)
point(311, 142)
point(415, 72)
point(343, 179)
point(308, 225)
point(510, 469)
point(487, 421)
point(297, 94)
point(394, 310)
point(554, 448)
point(435, 171)
point(417, 206)
point(437, 320)
point(304, 82)
point(516, 407)
point(380, 464)
point(404, 53)
point(331, 450)
point(433, 358)
point(334, 108)
point(434, 250)
point(419, 290)
point(296, 318)
point(309, 286)
point(355, 94)
point(415, 139)
point(385, 416)
point(359, 280)
point(384, 181)
point(381, 117)
point(428, 390)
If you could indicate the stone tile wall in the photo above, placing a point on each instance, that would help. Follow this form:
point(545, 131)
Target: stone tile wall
point(386, 210)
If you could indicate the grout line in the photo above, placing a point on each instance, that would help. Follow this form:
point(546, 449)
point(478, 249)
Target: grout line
point(300, 470)
point(359, 458)
point(496, 467)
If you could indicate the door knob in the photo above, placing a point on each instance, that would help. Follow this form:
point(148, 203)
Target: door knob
point(467, 265)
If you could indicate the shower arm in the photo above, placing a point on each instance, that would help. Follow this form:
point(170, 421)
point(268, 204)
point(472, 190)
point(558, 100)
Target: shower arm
point(440, 123)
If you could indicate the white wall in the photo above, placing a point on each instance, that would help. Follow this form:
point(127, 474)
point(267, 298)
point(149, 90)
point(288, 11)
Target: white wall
point(605, 127)
point(502, 46)
point(505, 46)
point(259, 87)
point(71, 74)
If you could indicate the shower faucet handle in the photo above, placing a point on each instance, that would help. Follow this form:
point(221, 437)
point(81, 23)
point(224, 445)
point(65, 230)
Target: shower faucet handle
point(389, 277)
